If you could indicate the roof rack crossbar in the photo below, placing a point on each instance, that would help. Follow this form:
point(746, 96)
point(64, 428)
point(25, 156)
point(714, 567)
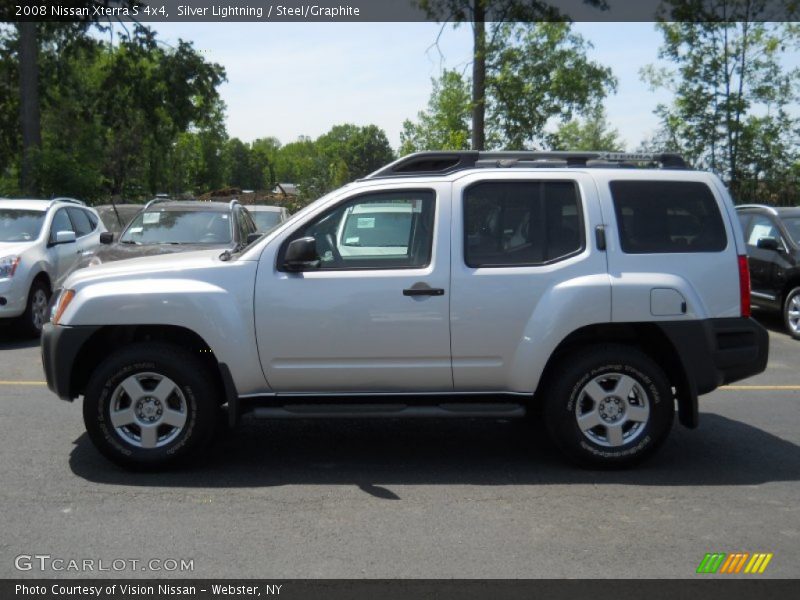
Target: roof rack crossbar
point(67, 199)
point(444, 163)
point(771, 209)
point(157, 200)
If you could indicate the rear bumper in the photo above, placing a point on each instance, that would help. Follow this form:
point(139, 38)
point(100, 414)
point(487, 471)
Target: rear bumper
point(60, 348)
point(716, 352)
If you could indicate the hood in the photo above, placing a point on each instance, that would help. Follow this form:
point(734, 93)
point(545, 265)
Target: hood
point(11, 248)
point(117, 251)
point(158, 266)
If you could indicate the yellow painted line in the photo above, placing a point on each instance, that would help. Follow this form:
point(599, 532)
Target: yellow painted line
point(23, 382)
point(760, 388)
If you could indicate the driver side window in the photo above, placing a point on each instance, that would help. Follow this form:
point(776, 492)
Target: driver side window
point(375, 231)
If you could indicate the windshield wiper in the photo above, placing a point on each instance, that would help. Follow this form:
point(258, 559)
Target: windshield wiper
point(130, 242)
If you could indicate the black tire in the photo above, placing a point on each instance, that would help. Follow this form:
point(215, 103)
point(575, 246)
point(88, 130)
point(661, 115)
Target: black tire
point(194, 393)
point(608, 365)
point(29, 324)
point(790, 304)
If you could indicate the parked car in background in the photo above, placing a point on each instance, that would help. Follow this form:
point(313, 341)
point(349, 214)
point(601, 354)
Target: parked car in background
point(166, 226)
point(40, 242)
point(772, 235)
point(268, 217)
point(116, 216)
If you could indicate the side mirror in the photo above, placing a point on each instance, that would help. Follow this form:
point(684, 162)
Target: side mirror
point(768, 243)
point(252, 237)
point(64, 237)
point(301, 254)
point(106, 237)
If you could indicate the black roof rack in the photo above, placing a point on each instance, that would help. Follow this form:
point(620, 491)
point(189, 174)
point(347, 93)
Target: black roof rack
point(444, 163)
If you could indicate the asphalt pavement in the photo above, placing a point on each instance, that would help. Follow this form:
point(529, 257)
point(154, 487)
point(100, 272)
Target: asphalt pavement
point(402, 499)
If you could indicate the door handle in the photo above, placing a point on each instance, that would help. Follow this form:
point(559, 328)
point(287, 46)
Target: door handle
point(423, 291)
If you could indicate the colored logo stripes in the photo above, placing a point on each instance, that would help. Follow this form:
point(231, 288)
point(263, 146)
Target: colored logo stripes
point(736, 562)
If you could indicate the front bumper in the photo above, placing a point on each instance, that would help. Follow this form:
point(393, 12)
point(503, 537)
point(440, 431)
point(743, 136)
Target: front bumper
point(15, 296)
point(60, 348)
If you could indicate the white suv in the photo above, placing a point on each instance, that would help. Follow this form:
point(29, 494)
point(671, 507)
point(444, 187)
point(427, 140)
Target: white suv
point(40, 242)
point(569, 286)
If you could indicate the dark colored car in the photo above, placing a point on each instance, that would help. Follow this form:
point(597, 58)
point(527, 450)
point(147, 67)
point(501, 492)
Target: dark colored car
point(772, 235)
point(169, 226)
point(116, 216)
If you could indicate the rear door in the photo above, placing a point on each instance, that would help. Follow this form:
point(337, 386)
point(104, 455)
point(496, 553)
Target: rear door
point(517, 238)
point(87, 238)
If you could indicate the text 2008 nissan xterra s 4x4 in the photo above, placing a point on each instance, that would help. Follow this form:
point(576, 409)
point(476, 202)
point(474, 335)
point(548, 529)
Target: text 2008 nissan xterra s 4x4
point(447, 284)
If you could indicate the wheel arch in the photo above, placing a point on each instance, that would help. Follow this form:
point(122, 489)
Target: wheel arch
point(107, 339)
point(646, 337)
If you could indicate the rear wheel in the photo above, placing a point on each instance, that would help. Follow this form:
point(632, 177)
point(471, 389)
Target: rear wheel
point(791, 313)
point(608, 406)
point(35, 315)
point(150, 405)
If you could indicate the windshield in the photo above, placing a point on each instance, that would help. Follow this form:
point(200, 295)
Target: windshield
point(179, 227)
point(793, 227)
point(20, 225)
point(109, 216)
point(266, 220)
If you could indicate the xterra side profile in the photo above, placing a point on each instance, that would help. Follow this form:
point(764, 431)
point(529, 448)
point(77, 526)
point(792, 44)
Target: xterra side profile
point(446, 284)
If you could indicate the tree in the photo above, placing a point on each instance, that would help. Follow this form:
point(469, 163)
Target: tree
point(343, 154)
point(445, 125)
point(731, 92)
point(537, 73)
point(30, 123)
point(590, 133)
point(478, 12)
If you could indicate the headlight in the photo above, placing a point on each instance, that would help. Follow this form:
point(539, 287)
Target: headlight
point(8, 266)
point(61, 304)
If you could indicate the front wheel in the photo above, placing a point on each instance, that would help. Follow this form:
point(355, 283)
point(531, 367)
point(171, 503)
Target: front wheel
point(791, 313)
point(608, 406)
point(35, 315)
point(150, 405)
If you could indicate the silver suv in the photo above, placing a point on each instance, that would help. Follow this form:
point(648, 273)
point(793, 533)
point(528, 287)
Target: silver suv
point(40, 242)
point(574, 287)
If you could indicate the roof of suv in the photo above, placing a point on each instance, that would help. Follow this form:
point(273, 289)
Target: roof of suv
point(36, 203)
point(188, 206)
point(422, 164)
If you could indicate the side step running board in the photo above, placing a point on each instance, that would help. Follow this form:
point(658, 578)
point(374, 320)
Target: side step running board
point(388, 411)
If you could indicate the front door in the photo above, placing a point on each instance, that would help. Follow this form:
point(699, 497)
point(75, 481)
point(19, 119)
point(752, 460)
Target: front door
point(373, 316)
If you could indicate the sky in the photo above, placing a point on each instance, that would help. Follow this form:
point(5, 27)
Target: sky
point(291, 79)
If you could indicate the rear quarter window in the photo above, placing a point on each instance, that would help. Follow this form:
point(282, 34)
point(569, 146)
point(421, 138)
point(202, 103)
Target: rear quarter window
point(667, 217)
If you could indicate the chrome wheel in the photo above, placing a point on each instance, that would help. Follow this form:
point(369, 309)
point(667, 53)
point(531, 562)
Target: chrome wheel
point(612, 410)
point(39, 306)
point(148, 410)
point(793, 314)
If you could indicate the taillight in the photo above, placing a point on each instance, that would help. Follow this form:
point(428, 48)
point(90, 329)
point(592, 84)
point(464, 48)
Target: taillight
point(744, 286)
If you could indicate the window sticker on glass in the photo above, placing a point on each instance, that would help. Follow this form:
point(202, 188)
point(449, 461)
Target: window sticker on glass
point(151, 218)
point(136, 229)
point(416, 206)
point(352, 241)
point(366, 222)
point(760, 230)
